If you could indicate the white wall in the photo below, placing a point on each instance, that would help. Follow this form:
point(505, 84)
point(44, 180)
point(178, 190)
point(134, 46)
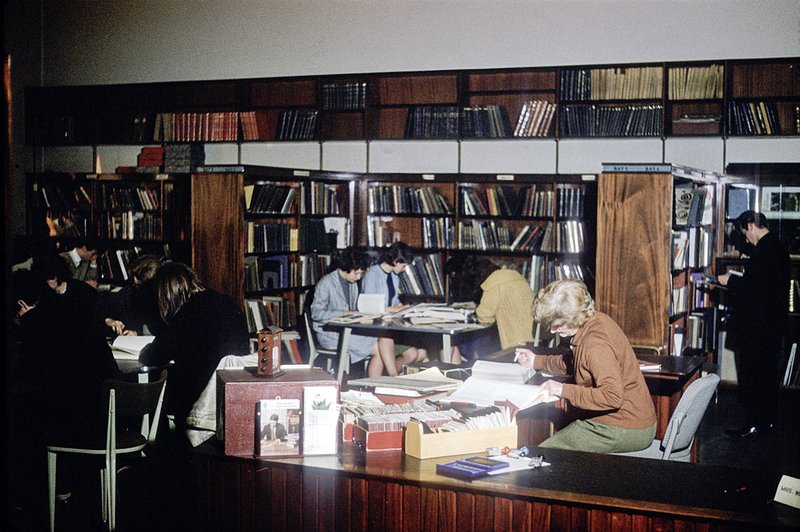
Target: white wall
point(88, 42)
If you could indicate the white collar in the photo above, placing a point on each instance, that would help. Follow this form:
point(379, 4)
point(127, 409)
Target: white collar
point(76, 259)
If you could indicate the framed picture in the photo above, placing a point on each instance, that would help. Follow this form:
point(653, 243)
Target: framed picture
point(277, 430)
point(780, 202)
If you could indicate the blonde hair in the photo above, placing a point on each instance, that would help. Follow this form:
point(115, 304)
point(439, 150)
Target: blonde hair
point(564, 302)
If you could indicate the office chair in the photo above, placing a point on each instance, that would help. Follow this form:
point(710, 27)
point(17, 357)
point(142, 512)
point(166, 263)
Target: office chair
point(683, 424)
point(126, 400)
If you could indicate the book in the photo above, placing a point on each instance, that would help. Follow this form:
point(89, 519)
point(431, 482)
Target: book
point(320, 417)
point(129, 347)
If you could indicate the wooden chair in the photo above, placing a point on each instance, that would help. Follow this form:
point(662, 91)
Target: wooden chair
point(126, 400)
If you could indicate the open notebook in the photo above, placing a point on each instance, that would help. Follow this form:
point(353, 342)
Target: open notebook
point(129, 347)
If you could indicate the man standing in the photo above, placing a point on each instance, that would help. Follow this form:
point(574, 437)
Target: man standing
point(759, 308)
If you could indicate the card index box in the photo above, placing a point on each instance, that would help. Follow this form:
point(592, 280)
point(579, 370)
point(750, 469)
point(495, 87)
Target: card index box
point(238, 391)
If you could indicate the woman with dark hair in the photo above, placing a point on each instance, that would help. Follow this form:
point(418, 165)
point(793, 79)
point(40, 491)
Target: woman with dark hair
point(383, 278)
point(336, 295)
point(201, 327)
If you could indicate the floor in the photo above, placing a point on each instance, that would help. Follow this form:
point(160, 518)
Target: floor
point(149, 502)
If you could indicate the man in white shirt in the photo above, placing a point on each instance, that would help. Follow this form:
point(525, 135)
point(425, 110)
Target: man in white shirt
point(82, 261)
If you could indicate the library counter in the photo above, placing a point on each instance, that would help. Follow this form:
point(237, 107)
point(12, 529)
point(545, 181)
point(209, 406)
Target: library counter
point(390, 491)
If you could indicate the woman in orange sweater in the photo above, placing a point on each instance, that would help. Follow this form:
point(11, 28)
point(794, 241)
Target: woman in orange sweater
point(617, 413)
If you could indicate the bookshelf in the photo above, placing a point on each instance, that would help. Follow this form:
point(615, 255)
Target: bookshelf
point(542, 225)
point(657, 230)
point(130, 214)
point(726, 98)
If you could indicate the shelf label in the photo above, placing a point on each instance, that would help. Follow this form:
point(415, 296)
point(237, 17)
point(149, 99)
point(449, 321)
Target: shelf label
point(588, 177)
point(302, 173)
point(91, 176)
point(162, 177)
point(428, 177)
point(505, 177)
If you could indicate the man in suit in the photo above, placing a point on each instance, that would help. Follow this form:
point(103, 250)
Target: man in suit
point(759, 309)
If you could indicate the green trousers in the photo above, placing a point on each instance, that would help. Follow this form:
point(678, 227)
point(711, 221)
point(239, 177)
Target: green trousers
point(588, 435)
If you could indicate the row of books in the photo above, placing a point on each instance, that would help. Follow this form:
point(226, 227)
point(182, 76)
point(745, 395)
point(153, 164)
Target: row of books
point(256, 126)
point(129, 225)
point(550, 237)
point(611, 121)
point(57, 198)
point(269, 311)
point(530, 201)
point(696, 83)
point(397, 199)
point(348, 96)
point(183, 157)
point(639, 83)
point(541, 271)
point(693, 206)
point(322, 198)
point(115, 264)
point(535, 119)
point(297, 124)
point(485, 121)
point(423, 277)
point(692, 248)
point(133, 198)
point(431, 122)
point(269, 238)
point(313, 267)
point(269, 273)
point(267, 198)
point(753, 118)
point(196, 127)
point(437, 233)
point(483, 235)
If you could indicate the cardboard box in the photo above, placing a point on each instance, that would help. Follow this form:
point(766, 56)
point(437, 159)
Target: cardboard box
point(238, 390)
point(420, 445)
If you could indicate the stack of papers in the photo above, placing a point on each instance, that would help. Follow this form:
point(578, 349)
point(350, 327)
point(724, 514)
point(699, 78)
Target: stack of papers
point(502, 371)
point(478, 391)
point(415, 385)
point(648, 366)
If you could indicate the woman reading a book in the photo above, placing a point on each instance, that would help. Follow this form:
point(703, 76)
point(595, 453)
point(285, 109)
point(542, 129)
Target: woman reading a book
point(383, 278)
point(609, 389)
point(336, 295)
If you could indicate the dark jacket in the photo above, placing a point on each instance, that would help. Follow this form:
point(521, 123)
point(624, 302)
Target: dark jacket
point(206, 328)
point(759, 299)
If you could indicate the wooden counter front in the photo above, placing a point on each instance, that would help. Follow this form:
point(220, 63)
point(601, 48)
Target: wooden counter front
point(390, 491)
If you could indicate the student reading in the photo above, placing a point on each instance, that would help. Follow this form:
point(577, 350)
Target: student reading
point(609, 388)
point(335, 295)
point(382, 278)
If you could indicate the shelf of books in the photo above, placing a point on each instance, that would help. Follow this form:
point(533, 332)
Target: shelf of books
point(763, 98)
point(657, 229)
point(541, 225)
point(694, 99)
point(127, 214)
point(294, 222)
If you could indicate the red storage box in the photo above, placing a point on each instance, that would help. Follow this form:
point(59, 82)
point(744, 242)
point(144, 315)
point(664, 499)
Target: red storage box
point(370, 440)
point(238, 390)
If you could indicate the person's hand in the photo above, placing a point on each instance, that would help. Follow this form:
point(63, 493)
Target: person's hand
point(524, 357)
point(24, 308)
point(553, 387)
point(116, 325)
point(91, 282)
point(723, 279)
point(128, 332)
point(396, 308)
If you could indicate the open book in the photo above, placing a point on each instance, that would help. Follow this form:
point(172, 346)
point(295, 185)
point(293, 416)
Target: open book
point(129, 347)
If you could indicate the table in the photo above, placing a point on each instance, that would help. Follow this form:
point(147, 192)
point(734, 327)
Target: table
point(390, 491)
point(448, 331)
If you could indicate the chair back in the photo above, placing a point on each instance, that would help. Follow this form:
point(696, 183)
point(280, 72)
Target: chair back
point(687, 416)
point(312, 342)
point(137, 400)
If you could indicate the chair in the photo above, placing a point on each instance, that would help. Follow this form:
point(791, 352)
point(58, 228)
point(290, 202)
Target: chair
point(314, 351)
point(683, 424)
point(127, 400)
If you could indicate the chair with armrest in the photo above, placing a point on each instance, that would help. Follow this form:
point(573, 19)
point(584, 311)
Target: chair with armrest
point(683, 424)
point(126, 401)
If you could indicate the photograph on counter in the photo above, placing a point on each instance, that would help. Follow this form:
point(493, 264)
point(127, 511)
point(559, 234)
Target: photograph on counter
point(277, 429)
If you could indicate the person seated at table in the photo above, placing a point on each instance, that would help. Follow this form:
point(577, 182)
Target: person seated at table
point(507, 299)
point(609, 389)
point(336, 295)
point(82, 260)
point(383, 278)
point(201, 327)
point(133, 310)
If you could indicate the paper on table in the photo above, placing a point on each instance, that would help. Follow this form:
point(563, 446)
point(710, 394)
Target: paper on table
point(514, 464)
point(129, 347)
point(502, 371)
